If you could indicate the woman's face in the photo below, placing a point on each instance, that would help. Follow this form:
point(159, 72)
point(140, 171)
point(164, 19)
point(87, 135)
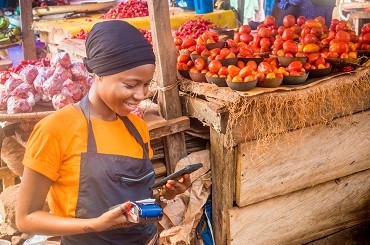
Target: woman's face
point(122, 92)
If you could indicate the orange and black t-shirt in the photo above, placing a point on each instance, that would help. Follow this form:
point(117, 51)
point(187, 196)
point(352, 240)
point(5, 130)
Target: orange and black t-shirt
point(55, 146)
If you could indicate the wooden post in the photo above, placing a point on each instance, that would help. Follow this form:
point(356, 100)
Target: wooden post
point(223, 169)
point(28, 38)
point(169, 101)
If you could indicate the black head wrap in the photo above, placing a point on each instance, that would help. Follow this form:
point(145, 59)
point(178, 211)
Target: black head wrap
point(115, 46)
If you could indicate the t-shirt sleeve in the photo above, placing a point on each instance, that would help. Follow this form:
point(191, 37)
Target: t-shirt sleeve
point(43, 153)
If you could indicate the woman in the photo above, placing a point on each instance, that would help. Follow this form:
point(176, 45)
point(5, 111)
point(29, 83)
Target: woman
point(94, 155)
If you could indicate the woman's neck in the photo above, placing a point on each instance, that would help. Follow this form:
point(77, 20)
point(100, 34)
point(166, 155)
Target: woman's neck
point(98, 109)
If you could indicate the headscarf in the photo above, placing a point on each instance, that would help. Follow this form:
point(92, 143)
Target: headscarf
point(115, 46)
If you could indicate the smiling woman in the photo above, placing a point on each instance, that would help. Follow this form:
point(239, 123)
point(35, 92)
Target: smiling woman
point(82, 155)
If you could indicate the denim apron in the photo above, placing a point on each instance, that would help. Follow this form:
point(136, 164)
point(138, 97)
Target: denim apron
point(107, 180)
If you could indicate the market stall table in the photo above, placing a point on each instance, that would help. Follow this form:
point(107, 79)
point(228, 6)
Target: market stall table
point(54, 31)
point(289, 164)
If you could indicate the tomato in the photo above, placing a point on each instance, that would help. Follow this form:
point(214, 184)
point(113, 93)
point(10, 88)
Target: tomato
point(205, 53)
point(311, 48)
point(295, 66)
point(343, 36)
point(281, 29)
point(287, 34)
point(270, 75)
point(188, 42)
point(237, 79)
point(177, 41)
point(240, 64)
point(252, 64)
point(223, 71)
point(183, 58)
point(224, 52)
point(214, 66)
point(236, 37)
point(264, 32)
point(365, 38)
point(199, 64)
point(339, 48)
point(317, 32)
point(301, 20)
point(182, 67)
point(313, 57)
point(320, 19)
point(281, 53)
point(190, 63)
point(288, 21)
point(269, 20)
point(199, 48)
point(233, 70)
point(320, 61)
point(307, 66)
point(265, 42)
point(310, 38)
point(278, 43)
point(290, 47)
point(250, 78)
point(264, 68)
point(231, 43)
point(245, 29)
point(305, 31)
point(245, 71)
point(245, 37)
point(260, 76)
point(365, 29)
point(312, 24)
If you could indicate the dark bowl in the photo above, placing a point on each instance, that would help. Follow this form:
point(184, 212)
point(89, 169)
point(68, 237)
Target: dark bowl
point(198, 77)
point(340, 62)
point(363, 52)
point(270, 82)
point(295, 80)
point(263, 55)
point(245, 60)
point(223, 31)
point(230, 61)
point(184, 73)
point(219, 44)
point(285, 61)
point(319, 72)
point(242, 86)
point(219, 81)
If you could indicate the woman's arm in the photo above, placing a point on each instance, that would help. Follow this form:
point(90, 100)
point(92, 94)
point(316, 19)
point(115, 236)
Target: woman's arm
point(32, 220)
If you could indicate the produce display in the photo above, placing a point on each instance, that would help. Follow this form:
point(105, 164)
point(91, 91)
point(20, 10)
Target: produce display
point(298, 49)
point(44, 3)
point(129, 9)
point(58, 81)
point(82, 34)
point(8, 34)
point(194, 28)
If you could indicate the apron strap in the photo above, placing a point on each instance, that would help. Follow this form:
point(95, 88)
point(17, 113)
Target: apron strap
point(133, 130)
point(91, 142)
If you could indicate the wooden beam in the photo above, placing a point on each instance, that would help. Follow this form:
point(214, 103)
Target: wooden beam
point(305, 215)
point(28, 38)
point(169, 101)
point(173, 126)
point(204, 112)
point(223, 187)
point(302, 159)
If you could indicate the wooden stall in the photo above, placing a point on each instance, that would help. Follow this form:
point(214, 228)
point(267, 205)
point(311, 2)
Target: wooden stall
point(289, 164)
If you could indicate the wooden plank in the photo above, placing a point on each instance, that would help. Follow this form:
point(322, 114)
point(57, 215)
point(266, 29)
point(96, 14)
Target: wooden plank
point(223, 187)
point(172, 127)
point(154, 121)
point(304, 215)
point(201, 109)
point(302, 158)
point(28, 38)
point(7, 176)
point(169, 101)
point(159, 167)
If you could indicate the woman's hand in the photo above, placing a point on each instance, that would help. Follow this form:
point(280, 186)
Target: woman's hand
point(173, 188)
point(118, 217)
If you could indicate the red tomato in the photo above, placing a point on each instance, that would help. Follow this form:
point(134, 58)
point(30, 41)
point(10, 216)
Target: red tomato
point(316, 31)
point(320, 19)
point(182, 67)
point(224, 52)
point(214, 66)
point(289, 21)
point(223, 71)
point(245, 29)
point(295, 66)
point(290, 47)
point(252, 64)
point(301, 20)
point(281, 29)
point(264, 68)
point(199, 64)
point(310, 38)
point(264, 32)
point(246, 38)
point(339, 48)
point(287, 34)
point(183, 58)
point(245, 71)
point(269, 20)
point(233, 70)
point(343, 36)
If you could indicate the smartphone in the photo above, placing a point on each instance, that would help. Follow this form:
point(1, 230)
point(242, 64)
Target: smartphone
point(178, 174)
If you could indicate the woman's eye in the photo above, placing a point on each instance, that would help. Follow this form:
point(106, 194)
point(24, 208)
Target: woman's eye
point(128, 85)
